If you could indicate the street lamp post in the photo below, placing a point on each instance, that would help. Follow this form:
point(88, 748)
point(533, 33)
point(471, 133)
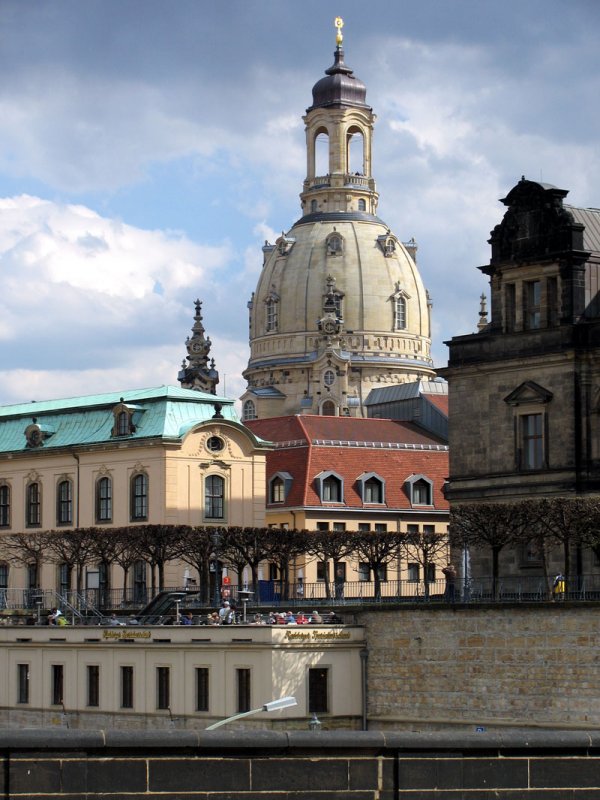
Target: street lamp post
point(274, 705)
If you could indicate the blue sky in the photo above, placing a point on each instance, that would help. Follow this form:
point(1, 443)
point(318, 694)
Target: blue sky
point(147, 150)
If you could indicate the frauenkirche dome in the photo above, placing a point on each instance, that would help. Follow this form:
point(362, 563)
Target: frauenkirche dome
point(340, 307)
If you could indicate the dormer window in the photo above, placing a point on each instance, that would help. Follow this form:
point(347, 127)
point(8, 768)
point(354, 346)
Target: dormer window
point(387, 242)
point(420, 490)
point(330, 487)
point(123, 424)
point(279, 487)
point(284, 244)
point(371, 487)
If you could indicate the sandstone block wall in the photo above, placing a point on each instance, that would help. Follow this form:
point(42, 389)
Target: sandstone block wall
point(484, 666)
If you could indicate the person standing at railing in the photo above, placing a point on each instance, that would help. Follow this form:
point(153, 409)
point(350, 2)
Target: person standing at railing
point(558, 587)
point(449, 573)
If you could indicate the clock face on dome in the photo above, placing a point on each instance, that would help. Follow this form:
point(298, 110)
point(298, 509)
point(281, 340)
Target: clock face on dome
point(329, 326)
point(196, 347)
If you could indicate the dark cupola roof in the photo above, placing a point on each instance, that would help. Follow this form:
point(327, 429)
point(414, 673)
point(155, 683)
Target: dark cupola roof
point(340, 87)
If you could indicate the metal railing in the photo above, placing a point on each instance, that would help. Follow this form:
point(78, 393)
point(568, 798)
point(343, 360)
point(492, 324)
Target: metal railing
point(95, 603)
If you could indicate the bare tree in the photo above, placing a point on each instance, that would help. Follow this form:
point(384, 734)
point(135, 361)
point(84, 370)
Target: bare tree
point(567, 522)
point(495, 525)
point(378, 549)
point(284, 545)
point(424, 549)
point(158, 544)
point(196, 546)
point(326, 545)
point(73, 548)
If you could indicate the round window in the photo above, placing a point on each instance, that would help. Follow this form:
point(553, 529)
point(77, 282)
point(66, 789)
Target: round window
point(215, 444)
point(329, 377)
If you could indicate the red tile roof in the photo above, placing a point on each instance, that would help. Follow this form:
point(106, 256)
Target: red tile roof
point(349, 447)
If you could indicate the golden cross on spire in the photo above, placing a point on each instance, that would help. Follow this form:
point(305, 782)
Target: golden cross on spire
point(339, 24)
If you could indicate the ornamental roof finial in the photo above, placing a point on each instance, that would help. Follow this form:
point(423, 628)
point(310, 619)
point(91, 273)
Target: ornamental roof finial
point(339, 24)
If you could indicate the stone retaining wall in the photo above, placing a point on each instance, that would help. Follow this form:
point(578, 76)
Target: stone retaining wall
point(49, 764)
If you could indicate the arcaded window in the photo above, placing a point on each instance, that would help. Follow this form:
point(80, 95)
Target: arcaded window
point(532, 441)
point(163, 687)
point(318, 690)
point(272, 318)
point(214, 497)
point(33, 505)
point(249, 411)
point(104, 500)
point(244, 700)
point(532, 303)
point(64, 503)
point(399, 314)
point(139, 497)
point(328, 409)
point(127, 687)
point(4, 506)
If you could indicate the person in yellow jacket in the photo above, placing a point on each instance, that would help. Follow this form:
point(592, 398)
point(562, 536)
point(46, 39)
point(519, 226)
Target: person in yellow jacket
point(558, 587)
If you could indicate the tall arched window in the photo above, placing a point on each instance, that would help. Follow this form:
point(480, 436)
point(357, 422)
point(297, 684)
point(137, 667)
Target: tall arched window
point(214, 497)
point(139, 497)
point(272, 320)
point(33, 505)
point(328, 409)
point(4, 506)
point(64, 503)
point(399, 313)
point(249, 411)
point(321, 165)
point(355, 149)
point(104, 500)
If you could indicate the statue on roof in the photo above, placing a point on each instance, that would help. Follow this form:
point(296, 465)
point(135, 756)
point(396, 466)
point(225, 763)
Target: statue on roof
point(198, 373)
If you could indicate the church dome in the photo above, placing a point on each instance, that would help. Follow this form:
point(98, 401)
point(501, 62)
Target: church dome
point(340, 87)
point(340, 307)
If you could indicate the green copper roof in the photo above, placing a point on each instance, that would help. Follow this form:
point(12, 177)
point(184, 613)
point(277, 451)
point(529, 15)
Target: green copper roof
point(166, 412)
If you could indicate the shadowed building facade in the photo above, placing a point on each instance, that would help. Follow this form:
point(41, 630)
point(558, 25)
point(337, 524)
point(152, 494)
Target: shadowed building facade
point(524, 392)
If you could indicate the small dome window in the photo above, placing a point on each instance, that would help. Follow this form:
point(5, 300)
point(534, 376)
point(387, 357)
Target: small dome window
point(362, 205)
point(314, 206)
point(335, 244)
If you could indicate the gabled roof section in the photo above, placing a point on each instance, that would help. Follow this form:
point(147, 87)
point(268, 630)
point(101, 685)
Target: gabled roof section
point(164, 413)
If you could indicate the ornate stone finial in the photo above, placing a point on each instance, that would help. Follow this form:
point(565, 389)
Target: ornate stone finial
point(217, 415)
point(196, 373)
point(483, 320)
point(339, 24)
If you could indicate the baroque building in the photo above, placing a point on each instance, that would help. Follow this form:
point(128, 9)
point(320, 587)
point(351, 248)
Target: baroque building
point(162, 456)
point(340, 307)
